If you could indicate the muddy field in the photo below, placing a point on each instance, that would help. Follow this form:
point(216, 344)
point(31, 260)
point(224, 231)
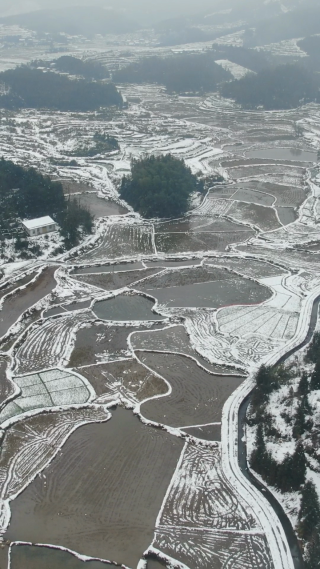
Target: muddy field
point(17, 304)
point(126, 378)
point(197, 396)
point(30, 557)
point(122, 469)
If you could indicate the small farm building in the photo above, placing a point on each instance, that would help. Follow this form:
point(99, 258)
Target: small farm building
point(40, 225)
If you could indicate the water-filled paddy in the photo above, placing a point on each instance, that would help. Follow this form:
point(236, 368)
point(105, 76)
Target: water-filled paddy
point(112, 480)
point(108, 268)
point(197, 396)
point(212, 294)
point(294, 154)
point(15, 305)
point(125, 308)
point(100, 207)
point(286, 215)
point(31, 557)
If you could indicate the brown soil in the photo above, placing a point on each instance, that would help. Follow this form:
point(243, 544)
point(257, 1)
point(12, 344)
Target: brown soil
point(206, 433)
point(249, 267)
point(9, 288)
point(263, 217)
point(28, 557)
point(135, 380)
point(200, 241)
point(111, 281)
point(197, 397)
point(112, 480)
point(101, 339)
point(30, 444)
point(15, 306)
point(174, 339)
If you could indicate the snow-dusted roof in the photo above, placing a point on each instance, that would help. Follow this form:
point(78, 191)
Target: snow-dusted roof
point(38, 222)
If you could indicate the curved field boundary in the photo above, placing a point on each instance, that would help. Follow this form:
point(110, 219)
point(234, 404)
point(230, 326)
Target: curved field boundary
point(273, 528)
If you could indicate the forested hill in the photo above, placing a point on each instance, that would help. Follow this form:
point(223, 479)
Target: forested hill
point(32, 88)
point(179, 73)
point(76, 66)
point(282, 87)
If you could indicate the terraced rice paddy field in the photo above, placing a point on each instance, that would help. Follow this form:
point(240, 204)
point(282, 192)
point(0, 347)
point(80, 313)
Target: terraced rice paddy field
point(124, 362)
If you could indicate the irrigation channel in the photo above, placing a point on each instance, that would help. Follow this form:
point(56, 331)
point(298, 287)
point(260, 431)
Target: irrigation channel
point(242, 451)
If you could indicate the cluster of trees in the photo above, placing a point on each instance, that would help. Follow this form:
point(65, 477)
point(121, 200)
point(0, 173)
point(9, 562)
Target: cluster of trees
point(75, 66)
point(27, 194)
point(290, 474)
point(282, 87)
point(180, 73)
point(32, 88)
point(159, 186)
point(102, 144)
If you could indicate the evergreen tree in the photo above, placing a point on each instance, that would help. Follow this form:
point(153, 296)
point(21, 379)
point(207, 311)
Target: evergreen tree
point(312, 554)
point(301, 424)
point(303, 388)
point(159, 186)
point(309, 514)
point(313, 353)
point(299, 466)
point(315, 378)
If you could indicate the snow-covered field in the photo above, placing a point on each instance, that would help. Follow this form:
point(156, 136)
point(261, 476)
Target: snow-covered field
point(210, 516)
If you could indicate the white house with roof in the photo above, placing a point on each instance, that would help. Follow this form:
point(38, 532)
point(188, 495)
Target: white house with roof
point(39, 226)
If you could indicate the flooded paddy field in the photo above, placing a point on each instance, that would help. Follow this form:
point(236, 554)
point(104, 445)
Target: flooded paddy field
point(32, 557)
point(126, 488)
point(115, 268)
point(173, 339)
point(115, 280)
point(100, 207)
point(126, 308)
point(214, 294)
point(197, 396)
point(122, 469)
point(14, 306)
point(102, 342)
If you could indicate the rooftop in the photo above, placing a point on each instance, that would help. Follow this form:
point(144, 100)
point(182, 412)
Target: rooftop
point(38, 222)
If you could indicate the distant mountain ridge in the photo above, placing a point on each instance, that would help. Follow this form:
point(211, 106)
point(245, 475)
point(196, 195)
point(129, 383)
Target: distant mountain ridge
point(77, 20)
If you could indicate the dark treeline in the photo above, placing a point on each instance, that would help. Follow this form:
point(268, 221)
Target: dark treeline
point(311, 46)
point(249, 58)
point(75, 66)
point(179, 73)
point(291, 474)
point(27, 194)
point(159, 186)
point(282, 87)
point(300, 22)
point(32, 88)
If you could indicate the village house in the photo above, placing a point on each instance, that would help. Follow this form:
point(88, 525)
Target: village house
point(39, 226)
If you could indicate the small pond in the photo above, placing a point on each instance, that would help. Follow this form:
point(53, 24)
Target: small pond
point(100, 207)
point(294, 154)
point(126, 308)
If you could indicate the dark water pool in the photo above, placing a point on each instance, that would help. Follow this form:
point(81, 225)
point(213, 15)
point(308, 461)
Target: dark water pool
point(126, 308)
point(294, 154)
